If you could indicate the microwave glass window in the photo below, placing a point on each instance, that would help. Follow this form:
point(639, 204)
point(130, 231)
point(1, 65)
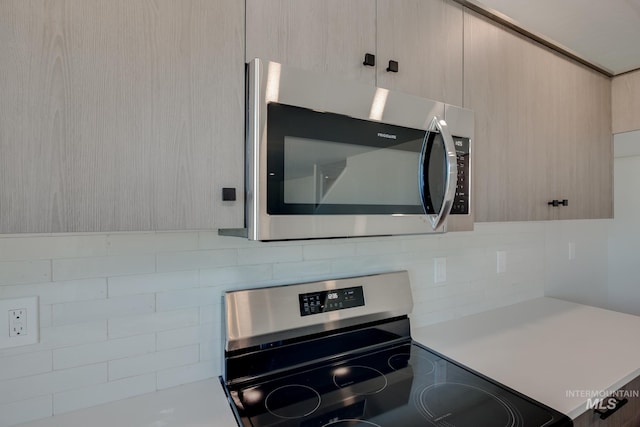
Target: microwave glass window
point(326, 172)
point(331, 164)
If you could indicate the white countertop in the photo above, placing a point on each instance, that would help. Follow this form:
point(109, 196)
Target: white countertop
point(545, 348)
point(542, 348)
point(201, 404)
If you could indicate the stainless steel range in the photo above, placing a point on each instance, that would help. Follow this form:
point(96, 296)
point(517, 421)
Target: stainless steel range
point(339, 353)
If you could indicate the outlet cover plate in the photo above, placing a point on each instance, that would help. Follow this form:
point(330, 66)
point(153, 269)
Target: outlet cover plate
point(440, 270)
point(31, 320)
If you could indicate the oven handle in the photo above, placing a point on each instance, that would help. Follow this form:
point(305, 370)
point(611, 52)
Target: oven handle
point(440, 126)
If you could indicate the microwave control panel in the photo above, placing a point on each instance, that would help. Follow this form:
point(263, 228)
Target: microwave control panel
point(330, 300)
point(461, 200)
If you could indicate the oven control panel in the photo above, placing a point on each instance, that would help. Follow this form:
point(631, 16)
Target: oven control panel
point(330, 300)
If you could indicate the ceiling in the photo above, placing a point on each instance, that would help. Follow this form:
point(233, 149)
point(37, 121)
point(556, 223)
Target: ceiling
point(604, 33)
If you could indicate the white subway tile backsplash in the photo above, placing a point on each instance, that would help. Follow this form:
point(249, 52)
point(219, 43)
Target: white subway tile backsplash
point(88, 354)
point(145, 243)
point(177, 338)
point(186, 298)
point(101, 393)
point(73, 334)
point(211, 314)
point(51, 382)
point(328, 250)
point(52, 337)
point(26, 410)
point(127, 313)
point(22, 365)
point(152, 322)
point(50, 247)
point(101, 309)
point(304, 270)
point(150, 283)
point(107, 266)
point(210, 335)
point(266, 254)
point(152, 362)
point(194, 260)
point(20, 272)
point(390, 245)
point(236, 275)
point(188, 374)
point(57, 292)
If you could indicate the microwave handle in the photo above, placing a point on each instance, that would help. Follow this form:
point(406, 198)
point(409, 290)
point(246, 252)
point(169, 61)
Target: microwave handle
point(437, 219)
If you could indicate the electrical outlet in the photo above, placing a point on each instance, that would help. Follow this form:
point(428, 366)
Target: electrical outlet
point(572, 251)
point(18, 322)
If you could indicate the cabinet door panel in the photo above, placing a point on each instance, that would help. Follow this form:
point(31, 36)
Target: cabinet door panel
point(327, 36)
point(594, 147)
point(505, 88)
point(543, 129)
point(425, 37)
point(119, 115)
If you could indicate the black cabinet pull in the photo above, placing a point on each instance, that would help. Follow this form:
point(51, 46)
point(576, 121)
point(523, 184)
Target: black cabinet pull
point(369, 60)
point(556, 203)
point(393, 66)
point(606, 413)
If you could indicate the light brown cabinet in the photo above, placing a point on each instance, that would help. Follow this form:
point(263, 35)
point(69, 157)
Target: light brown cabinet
point(323, 35)
point(120, 114)
point(543, 129)
point(423, 36)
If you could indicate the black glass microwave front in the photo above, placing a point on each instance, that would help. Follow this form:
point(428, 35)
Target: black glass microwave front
point(322, 163)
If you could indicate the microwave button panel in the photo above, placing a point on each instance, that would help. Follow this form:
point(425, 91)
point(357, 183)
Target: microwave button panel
point(461, 200)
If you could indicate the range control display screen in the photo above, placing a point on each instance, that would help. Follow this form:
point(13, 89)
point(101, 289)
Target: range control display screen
point(331, 300)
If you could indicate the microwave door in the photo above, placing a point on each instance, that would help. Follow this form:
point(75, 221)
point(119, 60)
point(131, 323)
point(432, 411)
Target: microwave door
point(437, 172)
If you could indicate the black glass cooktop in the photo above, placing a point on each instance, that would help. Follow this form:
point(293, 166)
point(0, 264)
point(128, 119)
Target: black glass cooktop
point(400, 385)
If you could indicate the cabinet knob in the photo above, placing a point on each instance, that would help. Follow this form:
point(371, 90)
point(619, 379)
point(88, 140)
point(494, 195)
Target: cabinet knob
point(229, 194)
point(556, 203)
point(369, 60)
point(393, 66)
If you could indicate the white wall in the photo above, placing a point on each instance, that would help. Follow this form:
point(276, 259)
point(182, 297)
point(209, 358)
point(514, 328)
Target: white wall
point(582, 276)
point(624, 236)
point(129, 313)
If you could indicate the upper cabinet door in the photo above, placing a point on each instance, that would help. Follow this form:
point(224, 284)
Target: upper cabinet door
point(505, 84)
point(323, 35)
point(584, 146)
point(543, 129)
point(425, 38)
point(120, 115)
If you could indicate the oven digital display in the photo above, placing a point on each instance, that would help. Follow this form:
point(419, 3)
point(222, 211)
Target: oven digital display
point(331, 300)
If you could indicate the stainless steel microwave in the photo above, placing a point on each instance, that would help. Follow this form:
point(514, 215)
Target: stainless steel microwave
point(328, 157)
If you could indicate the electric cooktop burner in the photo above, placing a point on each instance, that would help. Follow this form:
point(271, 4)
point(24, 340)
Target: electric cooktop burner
point(339, 353)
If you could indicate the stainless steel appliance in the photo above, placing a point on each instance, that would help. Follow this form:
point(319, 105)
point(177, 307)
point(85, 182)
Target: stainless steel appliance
point(339, 353)
point(333, 158)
